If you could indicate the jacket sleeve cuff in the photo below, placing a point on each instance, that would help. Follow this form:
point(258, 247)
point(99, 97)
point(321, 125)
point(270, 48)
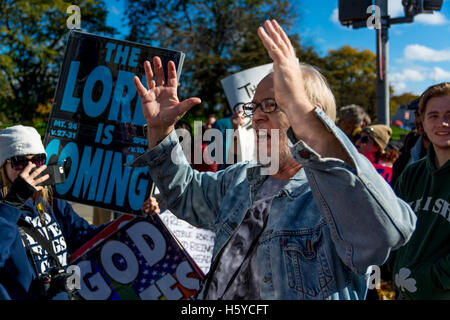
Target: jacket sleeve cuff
point(19, 192)
point(307, 156)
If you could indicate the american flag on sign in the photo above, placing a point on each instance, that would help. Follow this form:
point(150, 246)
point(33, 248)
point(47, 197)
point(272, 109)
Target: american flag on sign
point(147, 275)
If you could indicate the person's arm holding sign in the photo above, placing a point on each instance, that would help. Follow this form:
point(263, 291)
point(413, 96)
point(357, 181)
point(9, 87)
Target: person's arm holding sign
point(367, 219)
point(151, 206)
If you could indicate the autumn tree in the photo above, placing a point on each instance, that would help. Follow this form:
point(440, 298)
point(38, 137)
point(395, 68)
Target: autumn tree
point(219, 38)
point(32, 41)
point(352, 76)
point(400, 100)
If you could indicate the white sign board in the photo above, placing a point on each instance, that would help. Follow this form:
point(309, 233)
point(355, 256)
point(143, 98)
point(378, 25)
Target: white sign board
point(239, 89)
point(198, 242)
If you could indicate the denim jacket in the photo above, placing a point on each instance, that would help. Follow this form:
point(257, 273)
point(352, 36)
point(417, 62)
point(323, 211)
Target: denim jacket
point(326, 226)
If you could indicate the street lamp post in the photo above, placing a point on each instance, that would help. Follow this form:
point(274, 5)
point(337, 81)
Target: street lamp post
point(382, 45)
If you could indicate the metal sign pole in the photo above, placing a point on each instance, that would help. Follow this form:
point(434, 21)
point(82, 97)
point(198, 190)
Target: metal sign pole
point(382, 45)
point(355, 13)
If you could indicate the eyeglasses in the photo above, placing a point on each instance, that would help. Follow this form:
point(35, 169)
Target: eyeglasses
point(20, 162)
point(268, 105)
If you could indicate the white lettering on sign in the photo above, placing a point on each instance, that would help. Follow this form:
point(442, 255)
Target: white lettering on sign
point(120, 262)
point(142, 230)
point(93, 286)
point(127, 268)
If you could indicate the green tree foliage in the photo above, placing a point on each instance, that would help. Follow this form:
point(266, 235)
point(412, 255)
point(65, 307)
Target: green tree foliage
point(32, 41)
point(219, 38)
point(352, 76)
point(401, 100)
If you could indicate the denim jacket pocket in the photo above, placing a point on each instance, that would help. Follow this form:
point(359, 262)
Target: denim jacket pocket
point(307, 267)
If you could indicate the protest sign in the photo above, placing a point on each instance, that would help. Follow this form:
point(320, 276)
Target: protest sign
point(239, 89)
point(136, 258)
point(96, 123)
point(199, 243)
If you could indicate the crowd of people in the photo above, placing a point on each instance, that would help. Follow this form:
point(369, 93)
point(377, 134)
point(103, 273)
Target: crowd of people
point(270, 248)
point(343, 199)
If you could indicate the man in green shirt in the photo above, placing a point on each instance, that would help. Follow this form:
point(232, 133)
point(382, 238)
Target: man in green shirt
point(421, 269)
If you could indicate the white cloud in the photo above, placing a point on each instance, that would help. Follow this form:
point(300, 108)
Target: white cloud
point(399, 80)
point(435, 19)
point(395, 8)
point(409, 74)
point(439, 74)
point(415, 79)
point(335, 17)
point(414, 75)
point(423, 53)
point(399, 86)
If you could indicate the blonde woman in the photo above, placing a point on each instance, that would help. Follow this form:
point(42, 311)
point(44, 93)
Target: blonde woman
point(26, 264)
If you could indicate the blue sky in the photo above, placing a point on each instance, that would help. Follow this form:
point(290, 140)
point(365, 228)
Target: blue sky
point(419, 52)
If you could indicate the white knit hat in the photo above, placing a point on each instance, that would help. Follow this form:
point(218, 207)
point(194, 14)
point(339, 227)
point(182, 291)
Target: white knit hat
point(19, 141)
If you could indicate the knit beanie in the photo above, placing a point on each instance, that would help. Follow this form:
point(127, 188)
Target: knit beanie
point(380, 133)
point(19, 141)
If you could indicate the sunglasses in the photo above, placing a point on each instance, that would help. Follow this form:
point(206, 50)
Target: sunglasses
point(370, 132)
point(364, 139)
point(20, 162)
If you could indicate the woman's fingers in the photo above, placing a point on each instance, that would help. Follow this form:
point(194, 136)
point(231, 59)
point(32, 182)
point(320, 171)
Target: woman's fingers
point(28, 174)
point(30, 165)
point(41, 179)
point(30, 177)
point(36, 172)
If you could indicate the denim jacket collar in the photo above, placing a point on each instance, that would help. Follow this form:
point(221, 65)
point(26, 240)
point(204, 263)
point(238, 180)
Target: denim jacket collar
point(255, 179)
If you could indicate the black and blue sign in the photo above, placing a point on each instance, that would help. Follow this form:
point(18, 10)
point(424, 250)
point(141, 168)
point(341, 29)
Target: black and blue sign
point(96, 123)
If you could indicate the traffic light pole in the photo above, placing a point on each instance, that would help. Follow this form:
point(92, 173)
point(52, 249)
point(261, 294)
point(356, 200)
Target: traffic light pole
point(356, 13)
point(382, 45)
